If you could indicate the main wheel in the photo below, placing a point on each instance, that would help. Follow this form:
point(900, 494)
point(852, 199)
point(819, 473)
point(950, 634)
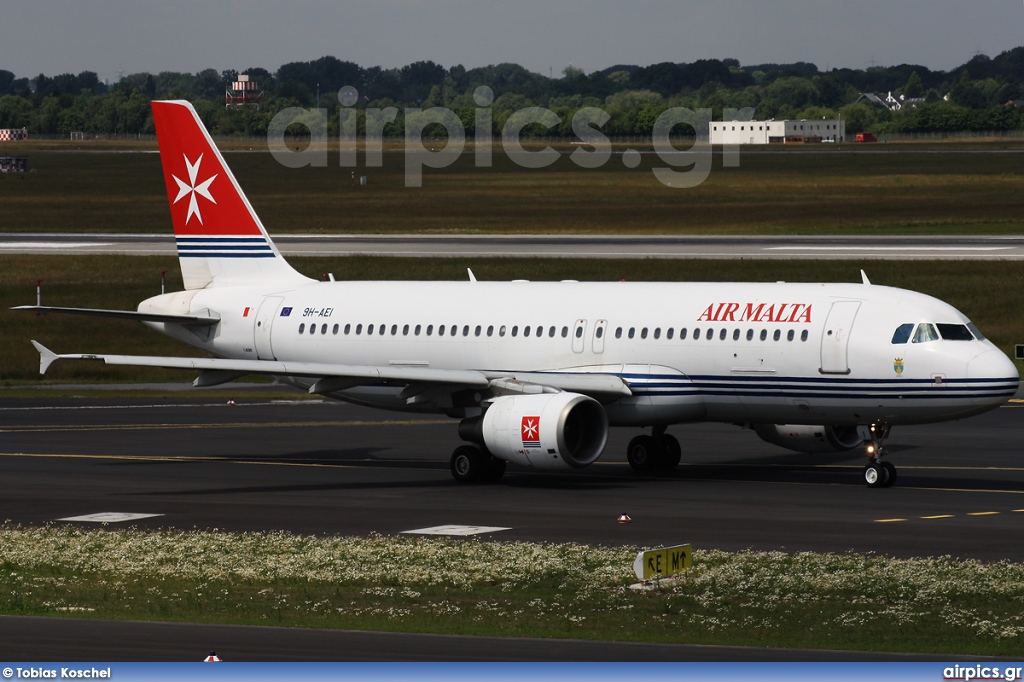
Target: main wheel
point(468, 464)
point(671, 455)
point(643, 454)
point(494, 469)
point(875, 475)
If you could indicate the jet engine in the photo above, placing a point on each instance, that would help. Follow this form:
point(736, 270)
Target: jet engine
point(545, 431)
point(804, 438)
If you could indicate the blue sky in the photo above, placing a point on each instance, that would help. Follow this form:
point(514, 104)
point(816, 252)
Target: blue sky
point(108, 36)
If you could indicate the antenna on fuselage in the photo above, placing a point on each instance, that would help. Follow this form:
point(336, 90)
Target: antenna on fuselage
point(864, 278)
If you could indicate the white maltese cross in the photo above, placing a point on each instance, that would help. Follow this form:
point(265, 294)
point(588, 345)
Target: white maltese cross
point(192, 189)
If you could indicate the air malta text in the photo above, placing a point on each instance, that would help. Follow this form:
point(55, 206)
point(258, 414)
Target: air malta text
point(760, 312)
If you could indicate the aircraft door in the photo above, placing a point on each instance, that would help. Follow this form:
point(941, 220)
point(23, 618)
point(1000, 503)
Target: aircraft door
point(579, 333)
point(264, 322)
point(835, 337)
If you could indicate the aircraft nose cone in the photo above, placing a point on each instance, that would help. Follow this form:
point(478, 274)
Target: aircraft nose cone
point(994, 365)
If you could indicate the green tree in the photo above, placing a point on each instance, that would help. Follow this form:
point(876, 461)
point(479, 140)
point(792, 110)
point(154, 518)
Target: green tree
point(914, 86)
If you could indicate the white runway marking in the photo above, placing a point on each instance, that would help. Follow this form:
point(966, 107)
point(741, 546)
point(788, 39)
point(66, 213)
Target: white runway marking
point(109, 517)
point(455, 530)
point(49, 245)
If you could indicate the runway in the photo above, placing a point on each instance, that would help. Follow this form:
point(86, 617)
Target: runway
point(557, 246)
point(279, 463)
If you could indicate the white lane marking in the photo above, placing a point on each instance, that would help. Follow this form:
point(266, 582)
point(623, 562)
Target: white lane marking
point(158, 407)
point(455, 530)
point(50, 245)
point(109, 517)
point(854, 247)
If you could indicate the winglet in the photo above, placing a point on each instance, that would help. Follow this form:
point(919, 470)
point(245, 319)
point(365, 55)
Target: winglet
point(46, 356)
point(472, 277)
point(864, 278)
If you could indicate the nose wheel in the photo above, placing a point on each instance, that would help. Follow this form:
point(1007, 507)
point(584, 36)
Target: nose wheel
point(878, 474)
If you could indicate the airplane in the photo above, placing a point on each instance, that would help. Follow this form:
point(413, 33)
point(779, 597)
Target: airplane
point(537, 372)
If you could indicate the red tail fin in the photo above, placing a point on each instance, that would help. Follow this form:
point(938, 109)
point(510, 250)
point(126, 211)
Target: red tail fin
point(219, 237)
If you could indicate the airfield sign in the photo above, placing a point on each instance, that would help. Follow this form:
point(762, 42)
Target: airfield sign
point(663, 562)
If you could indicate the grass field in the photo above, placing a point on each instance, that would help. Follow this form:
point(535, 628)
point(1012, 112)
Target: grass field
point(886, 189)
point(850, 601)
point(987, 292)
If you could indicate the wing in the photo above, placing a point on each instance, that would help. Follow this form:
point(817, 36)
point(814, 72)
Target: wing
point(329, 377)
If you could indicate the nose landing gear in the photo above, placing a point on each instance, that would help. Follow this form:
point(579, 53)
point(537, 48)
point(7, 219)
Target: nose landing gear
point(878, 474)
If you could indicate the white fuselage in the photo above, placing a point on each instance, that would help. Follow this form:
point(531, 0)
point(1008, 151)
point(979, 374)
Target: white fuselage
point(734, 352)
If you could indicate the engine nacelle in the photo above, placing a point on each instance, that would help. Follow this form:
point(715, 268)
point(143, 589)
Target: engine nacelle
point(545, 431)
point(805, 438)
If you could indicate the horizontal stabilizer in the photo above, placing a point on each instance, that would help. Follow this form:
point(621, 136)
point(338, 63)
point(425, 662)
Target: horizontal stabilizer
point(187, 320)
point(46, 356)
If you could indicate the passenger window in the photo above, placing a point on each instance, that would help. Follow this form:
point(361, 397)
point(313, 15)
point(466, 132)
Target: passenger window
point(902, 333)
point(777, 335)
point(455, 330)
point(551, 332)
point(955, 332)
point(476, 332)
point(710, 335)
point(643, 333)
point(579, 332)
point(490, 330)
point(465, 331)
point(565, 332)
point(764, 334)
point(632, 332)
point(669, 333)
point(736, 335)
point(405, 330)
point(618, 332)
point(925, 333)
point(323, 329)
point(302, 327)
point(369, 330)
point(722, 334)
point(657, 333)
point(750, 335)
point(515, 331)
point(335, 330)
point(696, 334)
point(599, 333)
point(803, 335)
point(501, 330)
point(682, 334)
point(416, 330)
point(440, 330)
point(359, 329)
point(790, 335)
point(430, 329)
point(526, 331)
point(312, 329)
point(394, 330)
point(348, 329)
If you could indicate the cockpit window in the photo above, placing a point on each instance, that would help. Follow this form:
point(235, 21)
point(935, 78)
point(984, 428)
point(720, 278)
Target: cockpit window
point(955, 332)
point(977, 332)
point(925, 332)
point(902, 333)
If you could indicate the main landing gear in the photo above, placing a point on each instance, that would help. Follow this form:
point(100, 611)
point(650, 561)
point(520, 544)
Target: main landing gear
point(471, 464)
point(878, 474)
point(658, 453)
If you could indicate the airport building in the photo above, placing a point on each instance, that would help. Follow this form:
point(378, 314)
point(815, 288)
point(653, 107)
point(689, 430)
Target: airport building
point(777, 132)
